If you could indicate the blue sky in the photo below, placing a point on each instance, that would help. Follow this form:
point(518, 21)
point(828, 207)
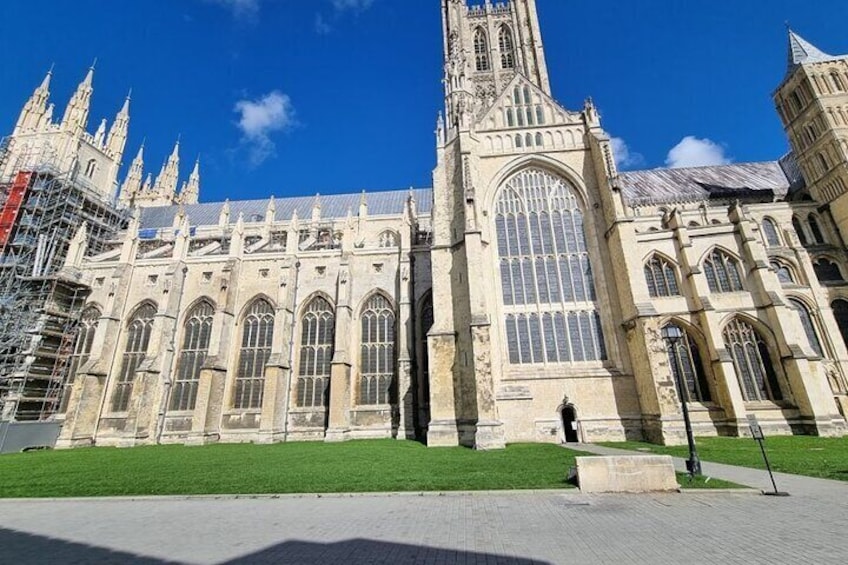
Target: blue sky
point(302, 96)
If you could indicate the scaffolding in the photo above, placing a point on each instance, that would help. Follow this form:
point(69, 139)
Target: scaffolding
point(41, 209)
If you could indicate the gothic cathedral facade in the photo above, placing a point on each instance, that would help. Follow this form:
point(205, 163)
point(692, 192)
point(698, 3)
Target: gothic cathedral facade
point(528, 296)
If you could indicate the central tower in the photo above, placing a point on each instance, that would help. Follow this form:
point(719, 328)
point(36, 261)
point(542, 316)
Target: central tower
point(501, 127)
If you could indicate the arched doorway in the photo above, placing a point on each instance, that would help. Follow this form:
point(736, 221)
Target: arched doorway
point(569, 423)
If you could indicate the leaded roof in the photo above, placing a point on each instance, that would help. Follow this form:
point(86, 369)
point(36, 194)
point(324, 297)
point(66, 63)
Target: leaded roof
point(764, 180)
point(333, 206)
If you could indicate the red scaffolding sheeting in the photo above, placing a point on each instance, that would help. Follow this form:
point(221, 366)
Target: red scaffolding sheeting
point(9, 213)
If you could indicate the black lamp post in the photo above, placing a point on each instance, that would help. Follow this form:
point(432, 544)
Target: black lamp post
point(673, 335)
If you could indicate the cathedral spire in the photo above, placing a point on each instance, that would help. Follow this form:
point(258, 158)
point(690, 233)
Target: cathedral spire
point(35, 109)
point(75, 119)
point(117, 139)
point(802, 51)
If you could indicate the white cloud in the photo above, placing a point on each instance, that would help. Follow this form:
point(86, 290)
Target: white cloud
point(694, 152)
point(354, 5)
point(259, 118)
point(624, 159)
point(241, 9)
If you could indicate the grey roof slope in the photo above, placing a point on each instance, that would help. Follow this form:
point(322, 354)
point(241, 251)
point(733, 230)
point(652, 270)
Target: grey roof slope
point(390, 202)
point(743, 180)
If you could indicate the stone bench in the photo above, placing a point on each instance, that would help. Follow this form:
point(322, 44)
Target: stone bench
point(626, 473)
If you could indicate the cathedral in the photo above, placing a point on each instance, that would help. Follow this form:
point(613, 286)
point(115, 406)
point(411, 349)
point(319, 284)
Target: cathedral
point(534, 294)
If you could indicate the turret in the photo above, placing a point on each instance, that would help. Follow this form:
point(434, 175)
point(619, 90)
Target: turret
point(35, 110)
point(132, 184)
point(100, 134)
point(76, 114)
point(191, 190)
point(166, 181)
point(117, 139)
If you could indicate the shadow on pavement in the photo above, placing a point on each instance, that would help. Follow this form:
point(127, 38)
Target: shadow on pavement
point(24, 549)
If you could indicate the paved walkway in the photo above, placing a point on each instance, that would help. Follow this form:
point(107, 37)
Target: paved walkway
point(757, 478)
point(528, 529)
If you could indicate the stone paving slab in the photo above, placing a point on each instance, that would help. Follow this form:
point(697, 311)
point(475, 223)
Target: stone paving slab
point(546, 527)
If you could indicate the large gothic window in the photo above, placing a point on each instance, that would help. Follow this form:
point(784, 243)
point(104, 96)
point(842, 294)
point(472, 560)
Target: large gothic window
point(808, 324)
point(196, 334)
point(687, 368)
point(752, 362)
point(138, 338)
point(659, 274)
point(770, 231)
point(507, 47)
point(546, 275)
point(840, 312)
point(256, 339)
point(317, 336)
point(82, 350)
point(377, 354)
point(481, 50)
point(722, 272)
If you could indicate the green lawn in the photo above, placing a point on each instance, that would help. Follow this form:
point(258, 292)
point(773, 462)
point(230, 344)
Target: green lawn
point(359, 466)
point(802, 455)
point(702, 482)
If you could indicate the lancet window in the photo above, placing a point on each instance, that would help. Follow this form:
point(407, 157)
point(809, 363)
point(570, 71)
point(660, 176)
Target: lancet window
point(481, 50)
point(770, 231)
point(687, 368)
point(507, 47)
point(197, 332)
point(318, 329)
point(722, 272)
point(659, 273)
point(82, 350)
point(751, 359)
point(377, 353)
point(138, 338)
point(546, 274)
point(256, 339)
point(807, 323)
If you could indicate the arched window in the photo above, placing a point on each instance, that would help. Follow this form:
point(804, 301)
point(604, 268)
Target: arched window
point(138, 338)
point(770, 231)
point(388, 239)
point(815, 230)
point(799, 229)
point(837, 82)
point(539, 141)
point(481, 50)
point(827, 271)
point(426, 324)
point(510, 120)
point(840, 313)
point(784, 273)
point(687, 368)
point(507, 48)
point(722, 272)
point(82, 349)
point(825, 166)
point(546, 275)
point(377, 357)
point(807, 324)
point(518, 140)
point(90, 167)
point(256, 339)
point(752, 362)
point(317, 338)
point(659, 273)
point(196, 334)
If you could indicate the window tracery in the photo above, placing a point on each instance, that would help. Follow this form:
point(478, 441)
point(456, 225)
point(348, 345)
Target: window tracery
point(722, 272)
point(751, 359)
point(257, 337)
point(661, 278)
point(317, 338)
point(197, 333)
point(82, 350)
point(138, 338)
point(377, 352)
point(546, 274)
